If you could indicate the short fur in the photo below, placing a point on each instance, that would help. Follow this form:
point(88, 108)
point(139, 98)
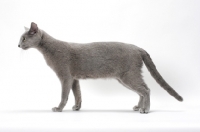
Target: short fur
point(72, 61)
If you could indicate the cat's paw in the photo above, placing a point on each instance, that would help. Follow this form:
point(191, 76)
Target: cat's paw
point(144, 111)
point(56, 109)
point(76, 107)
point(136, 108)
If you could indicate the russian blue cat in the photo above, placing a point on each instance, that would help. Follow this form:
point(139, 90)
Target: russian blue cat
point(73, 61)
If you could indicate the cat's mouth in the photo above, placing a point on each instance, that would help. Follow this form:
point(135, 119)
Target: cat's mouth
point(24, 47)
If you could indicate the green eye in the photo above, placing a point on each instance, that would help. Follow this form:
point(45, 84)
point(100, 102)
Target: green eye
point(23, 39)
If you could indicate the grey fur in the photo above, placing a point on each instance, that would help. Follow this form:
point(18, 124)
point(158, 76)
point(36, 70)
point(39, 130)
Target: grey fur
point(72, 61)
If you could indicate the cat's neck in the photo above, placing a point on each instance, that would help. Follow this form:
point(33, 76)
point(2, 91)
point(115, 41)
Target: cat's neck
point(48, 44)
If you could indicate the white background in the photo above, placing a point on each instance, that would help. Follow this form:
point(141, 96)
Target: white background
point(168, 29)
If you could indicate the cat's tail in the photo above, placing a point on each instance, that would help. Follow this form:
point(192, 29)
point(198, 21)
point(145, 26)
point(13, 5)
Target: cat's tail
point(156, 75)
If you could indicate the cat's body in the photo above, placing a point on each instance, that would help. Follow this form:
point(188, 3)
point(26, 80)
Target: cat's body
point(81, 59)
point(72, 62)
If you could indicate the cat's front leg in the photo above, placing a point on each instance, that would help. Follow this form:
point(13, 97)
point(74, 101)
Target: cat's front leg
point(77, 94)
point(66, 86)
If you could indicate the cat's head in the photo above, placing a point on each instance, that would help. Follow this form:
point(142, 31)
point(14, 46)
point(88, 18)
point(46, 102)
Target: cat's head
point(31, 38)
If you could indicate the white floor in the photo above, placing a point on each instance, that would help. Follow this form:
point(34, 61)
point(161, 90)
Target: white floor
point(90, 119)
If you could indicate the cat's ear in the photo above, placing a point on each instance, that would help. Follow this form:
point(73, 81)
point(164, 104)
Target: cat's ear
point(33, 29)
point(26, 29)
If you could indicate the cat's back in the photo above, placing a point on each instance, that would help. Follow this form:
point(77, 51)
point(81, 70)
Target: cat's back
point(104, 48)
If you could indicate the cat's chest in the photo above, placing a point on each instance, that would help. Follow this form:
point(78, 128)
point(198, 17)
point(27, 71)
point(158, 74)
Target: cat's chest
point(54, 61)
point(49, 61)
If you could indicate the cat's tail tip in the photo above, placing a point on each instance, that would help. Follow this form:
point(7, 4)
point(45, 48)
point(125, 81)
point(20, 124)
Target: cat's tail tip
point(179, 98)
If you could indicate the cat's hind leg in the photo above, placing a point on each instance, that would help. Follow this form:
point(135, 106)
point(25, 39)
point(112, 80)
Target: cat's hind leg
point(77, 94)
point(134, 82)
point(137, 107)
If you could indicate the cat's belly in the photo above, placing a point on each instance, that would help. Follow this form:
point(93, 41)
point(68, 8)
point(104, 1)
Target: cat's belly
point(79, 76)
point(97, 72)
point(83, 76)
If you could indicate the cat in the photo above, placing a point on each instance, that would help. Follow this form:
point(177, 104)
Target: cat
point(73, 61)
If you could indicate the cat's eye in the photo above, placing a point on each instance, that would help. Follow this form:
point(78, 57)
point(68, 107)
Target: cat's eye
point(23, 39)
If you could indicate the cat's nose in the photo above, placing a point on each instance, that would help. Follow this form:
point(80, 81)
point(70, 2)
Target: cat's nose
point(18, 45)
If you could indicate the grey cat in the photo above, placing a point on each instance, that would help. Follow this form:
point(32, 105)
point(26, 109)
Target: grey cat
point(72, 61)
